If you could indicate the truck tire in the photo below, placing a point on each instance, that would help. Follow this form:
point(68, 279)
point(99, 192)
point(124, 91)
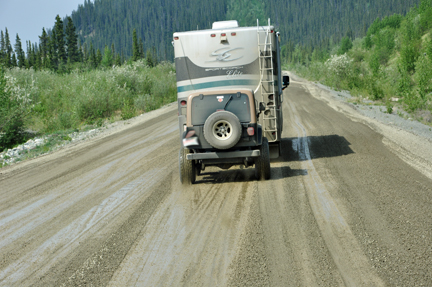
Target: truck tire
point(262, 163)
point(222, 130)
point(187, 167)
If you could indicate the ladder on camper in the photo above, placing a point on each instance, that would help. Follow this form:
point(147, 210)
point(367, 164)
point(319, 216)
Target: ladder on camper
point(267, 81)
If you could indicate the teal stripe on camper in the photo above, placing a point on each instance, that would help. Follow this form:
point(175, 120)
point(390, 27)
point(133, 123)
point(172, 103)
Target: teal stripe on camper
point(208, 85)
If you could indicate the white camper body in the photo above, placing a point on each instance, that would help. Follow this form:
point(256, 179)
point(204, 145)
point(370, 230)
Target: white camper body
point(228, 57)
point(229, 89)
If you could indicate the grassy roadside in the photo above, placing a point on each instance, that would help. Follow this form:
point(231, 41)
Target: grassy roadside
point(58, 103)
point(390, 66)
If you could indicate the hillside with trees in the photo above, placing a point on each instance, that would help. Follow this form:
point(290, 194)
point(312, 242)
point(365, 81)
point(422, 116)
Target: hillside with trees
point(107, 26)
point(390, 65)
point(308, 23)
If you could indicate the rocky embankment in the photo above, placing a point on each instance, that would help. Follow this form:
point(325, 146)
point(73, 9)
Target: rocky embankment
point(43, 145)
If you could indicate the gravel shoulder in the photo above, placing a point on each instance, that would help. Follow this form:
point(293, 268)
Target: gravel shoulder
point(76, 140)
point(410, 140)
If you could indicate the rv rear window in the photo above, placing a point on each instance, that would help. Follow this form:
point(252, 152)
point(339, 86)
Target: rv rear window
point(203, 107)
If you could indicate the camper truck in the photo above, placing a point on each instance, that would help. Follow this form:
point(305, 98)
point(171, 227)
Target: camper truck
point(230, 94)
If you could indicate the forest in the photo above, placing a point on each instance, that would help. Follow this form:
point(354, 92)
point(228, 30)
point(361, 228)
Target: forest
point(101, 26)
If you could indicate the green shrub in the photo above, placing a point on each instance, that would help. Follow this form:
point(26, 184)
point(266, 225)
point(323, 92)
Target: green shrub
point(70, 100)
point(423, 76)
point(15, 106)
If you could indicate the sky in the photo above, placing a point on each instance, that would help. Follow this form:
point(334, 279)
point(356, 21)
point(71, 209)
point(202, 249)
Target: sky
point(28, 17)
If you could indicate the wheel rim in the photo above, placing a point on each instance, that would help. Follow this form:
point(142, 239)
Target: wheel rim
point(222, 130)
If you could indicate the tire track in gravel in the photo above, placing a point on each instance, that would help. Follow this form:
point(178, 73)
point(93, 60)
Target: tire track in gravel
point(82, 206)
point(353, 265)
point(191, 240)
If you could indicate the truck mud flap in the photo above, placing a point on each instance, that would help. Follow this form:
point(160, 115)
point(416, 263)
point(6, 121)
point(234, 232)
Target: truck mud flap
point(275, 151)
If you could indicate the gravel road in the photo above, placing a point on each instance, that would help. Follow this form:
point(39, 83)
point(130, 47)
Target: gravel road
point(348, 203)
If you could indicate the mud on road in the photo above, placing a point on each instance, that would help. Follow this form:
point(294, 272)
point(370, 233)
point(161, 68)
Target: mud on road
point(348, 203)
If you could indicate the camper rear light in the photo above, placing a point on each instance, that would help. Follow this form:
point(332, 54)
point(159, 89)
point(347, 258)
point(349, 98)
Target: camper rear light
point(233, 34)
point(212, 35)
point(250, 131)
point(223, 34)
point(183, 103)
point(176, 38)
point(190, 134)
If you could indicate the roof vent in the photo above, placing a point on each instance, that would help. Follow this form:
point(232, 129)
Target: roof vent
point(225, 24)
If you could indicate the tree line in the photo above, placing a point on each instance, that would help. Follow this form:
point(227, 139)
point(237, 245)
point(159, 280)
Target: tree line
point(110, 32)
point(60, 50)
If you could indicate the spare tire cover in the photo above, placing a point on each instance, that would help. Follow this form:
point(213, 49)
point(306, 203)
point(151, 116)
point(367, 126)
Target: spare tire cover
point(222, 130)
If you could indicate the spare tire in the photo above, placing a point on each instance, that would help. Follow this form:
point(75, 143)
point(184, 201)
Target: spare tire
point(222, 130)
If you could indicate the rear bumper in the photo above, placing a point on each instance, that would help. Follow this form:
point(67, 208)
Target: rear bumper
point(224, 155)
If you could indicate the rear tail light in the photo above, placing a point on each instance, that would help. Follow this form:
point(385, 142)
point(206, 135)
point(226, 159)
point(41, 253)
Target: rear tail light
point(190, 134)
point(250, 131)
point(183, 103)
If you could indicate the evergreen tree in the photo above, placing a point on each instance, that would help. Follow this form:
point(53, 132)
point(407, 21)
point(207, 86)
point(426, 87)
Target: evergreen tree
point(107, 59)
point(53, 51)
point(9, 51)
point(141, 49)
point(98, 57)
point(113, 50)
point(118, 60)
point(2, 47)
point(92, 56)
point(80, 52)
point(13, 62)
point(19, 52)
point(154, 56)
point(38, 61)
point(149, 59)
point(30, 58)
point(85, 54)
point(71, 41)
point(34, 54)
point(135, 47)
point(59, 40)
point(44, 43)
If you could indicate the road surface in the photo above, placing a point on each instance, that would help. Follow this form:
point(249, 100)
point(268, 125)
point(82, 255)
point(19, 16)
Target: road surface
point(348, 204)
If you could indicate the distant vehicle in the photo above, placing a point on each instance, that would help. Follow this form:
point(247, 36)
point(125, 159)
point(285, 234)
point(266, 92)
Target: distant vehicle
point(230, 94)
